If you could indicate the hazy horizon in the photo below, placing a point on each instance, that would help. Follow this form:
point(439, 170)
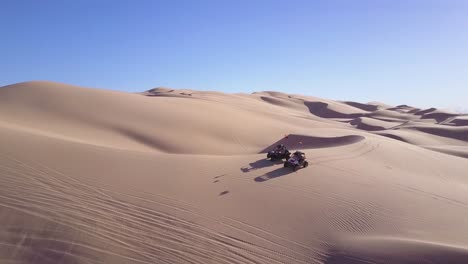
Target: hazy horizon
point(393, 51)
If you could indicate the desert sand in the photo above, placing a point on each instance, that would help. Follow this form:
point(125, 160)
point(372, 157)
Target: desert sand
point(180, 176)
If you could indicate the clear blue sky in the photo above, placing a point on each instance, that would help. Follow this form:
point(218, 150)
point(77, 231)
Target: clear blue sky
point(395, 51)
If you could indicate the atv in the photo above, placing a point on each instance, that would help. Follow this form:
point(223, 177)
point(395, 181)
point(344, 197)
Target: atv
point(296, 161)
point(278, 154)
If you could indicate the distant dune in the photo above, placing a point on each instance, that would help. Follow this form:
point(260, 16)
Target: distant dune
point(180, 176)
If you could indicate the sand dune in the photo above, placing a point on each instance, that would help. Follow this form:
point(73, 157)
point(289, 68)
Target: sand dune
point(439, 116)
point(333, 110)
point(459, 121)
point(371, 124)
point(180, 176)
point(365, 107)
point(460, 151)
point(392, 116)
point(404, 109)
point(425, 111)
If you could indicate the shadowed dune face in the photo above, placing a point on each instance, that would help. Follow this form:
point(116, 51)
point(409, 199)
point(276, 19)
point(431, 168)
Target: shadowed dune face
point(404, 109)
point(460, 133)
point(425, 111)
point(393, 137)
point(275, 101)
point(160, 90)
point(309, 142)
point(323, 110)
point(178, 176)
point(365, 107)
point(283, 102)
point(439, 117)
point(167, 92)
point(460, 121)
point(392, 116)
point(370, 124)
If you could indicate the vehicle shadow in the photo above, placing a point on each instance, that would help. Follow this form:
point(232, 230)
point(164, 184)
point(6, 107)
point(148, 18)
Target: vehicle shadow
point(261, 163)
point(274, 174)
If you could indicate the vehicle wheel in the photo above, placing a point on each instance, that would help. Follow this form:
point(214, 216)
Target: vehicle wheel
point(285, 164)
point(306, 164)
point(295, 168)
point(268, 156)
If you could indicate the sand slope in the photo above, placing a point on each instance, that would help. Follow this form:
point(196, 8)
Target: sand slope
point(95, 176)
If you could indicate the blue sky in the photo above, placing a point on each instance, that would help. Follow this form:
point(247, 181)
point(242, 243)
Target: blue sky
point(395, 51)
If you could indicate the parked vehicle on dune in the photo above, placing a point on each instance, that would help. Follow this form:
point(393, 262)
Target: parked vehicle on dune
point(280, 152)
point(296, 161)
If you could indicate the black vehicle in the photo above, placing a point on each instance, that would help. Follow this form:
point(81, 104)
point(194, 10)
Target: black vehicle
point(279, 153)
point(296, 161)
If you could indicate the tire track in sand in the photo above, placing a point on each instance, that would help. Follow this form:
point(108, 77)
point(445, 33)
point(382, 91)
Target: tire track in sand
point(101, 225)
